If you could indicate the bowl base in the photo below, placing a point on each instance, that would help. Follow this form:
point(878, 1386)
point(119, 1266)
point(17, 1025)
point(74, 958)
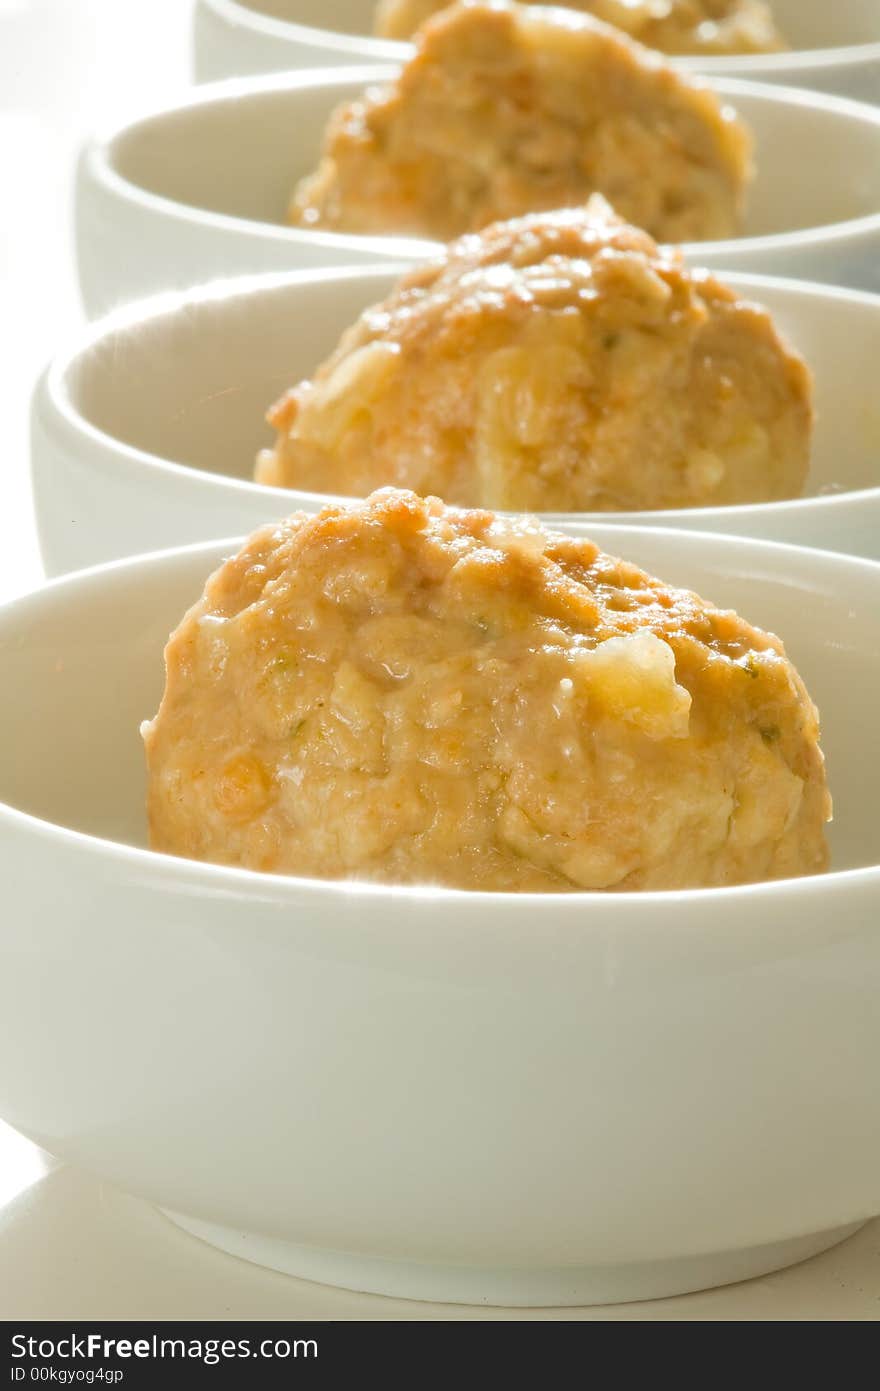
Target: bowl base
point(563, 1286)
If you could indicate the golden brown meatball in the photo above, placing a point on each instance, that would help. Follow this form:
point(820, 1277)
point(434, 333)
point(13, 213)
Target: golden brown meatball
point(404, 692)
point(673, 26)
point(560, 362)
point(507, 109)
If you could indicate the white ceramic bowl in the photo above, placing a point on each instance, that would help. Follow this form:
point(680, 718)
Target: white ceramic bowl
point(500, 1098)
point(200, 189)
point(835, 47)
point(145, 431)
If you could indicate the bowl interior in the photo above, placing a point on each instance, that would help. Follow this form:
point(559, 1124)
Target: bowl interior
point(81, 666)
point(354, 17)
point(241, 154)
point(192, 384)
point(805, 23)
point(817, 24)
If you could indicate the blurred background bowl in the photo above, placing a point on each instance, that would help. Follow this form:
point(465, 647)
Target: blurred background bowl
point(835, 47)
point(200, 189)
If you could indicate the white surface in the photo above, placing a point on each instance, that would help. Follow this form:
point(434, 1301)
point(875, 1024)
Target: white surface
point(201, 188)
point(70, 1247)
point(252, 36)
point(65, 66)
point(145, 434)
point(722, 1044)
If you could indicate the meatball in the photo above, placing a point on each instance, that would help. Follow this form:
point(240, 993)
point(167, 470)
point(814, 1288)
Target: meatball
point(405, 692)
point(673, 26)
point(560, 362)
point(507, 109)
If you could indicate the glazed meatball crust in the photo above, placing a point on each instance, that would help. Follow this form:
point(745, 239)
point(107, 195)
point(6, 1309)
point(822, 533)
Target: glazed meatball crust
point(561, 362)
point(672, 26)
point(405, 692)
point(507, 109)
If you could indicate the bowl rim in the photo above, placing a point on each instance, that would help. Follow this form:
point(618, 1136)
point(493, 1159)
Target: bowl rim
point(97, 163)
point(53, 387)
point(168, 869)
point(372, 46)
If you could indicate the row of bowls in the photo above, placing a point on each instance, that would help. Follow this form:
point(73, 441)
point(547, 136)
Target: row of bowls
point(125, 462)
point(368, 1085)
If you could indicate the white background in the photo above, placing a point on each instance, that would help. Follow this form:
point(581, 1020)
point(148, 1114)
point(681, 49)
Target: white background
point(65, 67)
point(69, 1247)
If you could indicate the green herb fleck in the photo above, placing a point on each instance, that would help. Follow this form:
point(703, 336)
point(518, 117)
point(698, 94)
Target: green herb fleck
point(750, 666)
point(285, 661)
